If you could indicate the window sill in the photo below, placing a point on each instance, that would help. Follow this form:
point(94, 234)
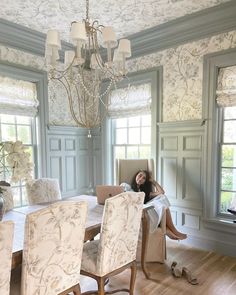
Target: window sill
point(220, 224)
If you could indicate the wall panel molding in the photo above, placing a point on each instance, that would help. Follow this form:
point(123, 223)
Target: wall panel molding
point(80, 164)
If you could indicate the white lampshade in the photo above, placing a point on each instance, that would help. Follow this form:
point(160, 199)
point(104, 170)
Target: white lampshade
point(109, 37)
point(125, 47)
point(78, 31)
point(48, 51)
point(53, 39)
point(69, 57)
point(117, 57)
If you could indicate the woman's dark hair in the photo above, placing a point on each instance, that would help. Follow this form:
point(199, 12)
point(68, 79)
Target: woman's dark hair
point(146, 187)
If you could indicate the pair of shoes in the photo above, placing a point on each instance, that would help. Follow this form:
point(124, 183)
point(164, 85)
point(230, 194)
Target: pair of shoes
point(189, 276)
point(176, 272)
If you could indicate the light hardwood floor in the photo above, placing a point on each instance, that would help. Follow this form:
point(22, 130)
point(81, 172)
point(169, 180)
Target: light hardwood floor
point(216, 274)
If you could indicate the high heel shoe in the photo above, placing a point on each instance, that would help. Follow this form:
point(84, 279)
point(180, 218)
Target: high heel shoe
point(176, 272)
point(189, 276)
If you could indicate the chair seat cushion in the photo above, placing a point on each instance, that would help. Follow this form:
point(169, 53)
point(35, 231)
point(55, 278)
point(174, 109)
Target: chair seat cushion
point(89, 257)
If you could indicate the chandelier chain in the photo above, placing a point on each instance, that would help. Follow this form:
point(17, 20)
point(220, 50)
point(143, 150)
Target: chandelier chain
point(87, 9)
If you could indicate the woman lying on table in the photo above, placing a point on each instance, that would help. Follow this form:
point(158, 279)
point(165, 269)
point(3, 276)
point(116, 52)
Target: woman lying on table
point(154, 193)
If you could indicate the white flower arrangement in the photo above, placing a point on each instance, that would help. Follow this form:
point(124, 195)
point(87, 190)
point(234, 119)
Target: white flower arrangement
point(17, 159)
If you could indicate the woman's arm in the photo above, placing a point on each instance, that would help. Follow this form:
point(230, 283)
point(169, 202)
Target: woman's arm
point(157, 189)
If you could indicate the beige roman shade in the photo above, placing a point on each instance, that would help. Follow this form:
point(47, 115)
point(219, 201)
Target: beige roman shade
point(226, 87)
point(18, 97)
point(130, 100)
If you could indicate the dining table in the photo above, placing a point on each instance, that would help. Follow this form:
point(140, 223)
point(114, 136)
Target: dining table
point(92, 228)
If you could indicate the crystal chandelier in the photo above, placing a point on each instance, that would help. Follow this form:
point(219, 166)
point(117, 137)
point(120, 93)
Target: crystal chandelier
point(85, 68)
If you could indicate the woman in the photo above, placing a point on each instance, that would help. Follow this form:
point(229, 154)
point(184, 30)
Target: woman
point(154, 193)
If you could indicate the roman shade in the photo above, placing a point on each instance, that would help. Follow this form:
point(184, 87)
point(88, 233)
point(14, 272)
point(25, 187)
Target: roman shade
point(226, 87)
point(130, 100)
point(18, 97)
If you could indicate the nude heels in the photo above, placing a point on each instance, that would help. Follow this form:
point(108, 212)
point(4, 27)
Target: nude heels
point(176, 272)
point(189, 276)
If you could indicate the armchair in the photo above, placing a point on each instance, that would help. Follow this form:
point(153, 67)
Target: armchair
point(156, 241)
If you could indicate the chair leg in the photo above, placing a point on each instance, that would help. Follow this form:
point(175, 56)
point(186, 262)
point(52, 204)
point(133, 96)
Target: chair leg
point(101, 284)
point(133, 277)
point(77, 290)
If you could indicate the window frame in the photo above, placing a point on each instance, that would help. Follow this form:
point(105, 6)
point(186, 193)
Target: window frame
point(153, 76)
point(212, 117)
point(33, 75)
point(126, 145)
point(32, 144)
point(222, 121)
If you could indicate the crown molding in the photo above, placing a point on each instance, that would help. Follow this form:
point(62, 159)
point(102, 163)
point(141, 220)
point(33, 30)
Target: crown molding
point(25, 39)
point(199, 25)
point(196, 26)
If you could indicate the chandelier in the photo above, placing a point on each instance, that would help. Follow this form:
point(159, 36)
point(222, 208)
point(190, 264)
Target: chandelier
point(86, 67)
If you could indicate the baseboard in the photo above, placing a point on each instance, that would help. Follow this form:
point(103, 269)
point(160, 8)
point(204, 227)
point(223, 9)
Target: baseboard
point(221, 247)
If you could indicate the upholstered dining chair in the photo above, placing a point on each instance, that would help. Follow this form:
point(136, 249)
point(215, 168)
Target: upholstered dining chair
point(43, 190)
point(52, 251)
point(116, 249)
point(6, 240)
point(156, 244)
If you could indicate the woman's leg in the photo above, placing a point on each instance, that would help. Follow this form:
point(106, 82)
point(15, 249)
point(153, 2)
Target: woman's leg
point(171, 230)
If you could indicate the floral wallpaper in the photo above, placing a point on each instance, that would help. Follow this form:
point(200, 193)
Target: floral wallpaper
point(182, 74)
point(182, 80)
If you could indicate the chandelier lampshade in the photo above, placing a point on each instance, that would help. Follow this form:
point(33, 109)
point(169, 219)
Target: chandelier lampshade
point(86, 67)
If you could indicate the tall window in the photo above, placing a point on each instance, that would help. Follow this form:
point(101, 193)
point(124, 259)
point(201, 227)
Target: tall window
point(226, 100)
point(21, 128)
point(130, 114)
point(18, 109)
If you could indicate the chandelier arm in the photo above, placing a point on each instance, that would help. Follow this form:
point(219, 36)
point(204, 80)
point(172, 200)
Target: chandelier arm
point(69, 96)
point(79, 101)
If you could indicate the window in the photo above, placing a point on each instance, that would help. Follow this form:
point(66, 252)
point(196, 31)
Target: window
point(130, 129)
point(24, 101)
point(131, 137)
point(21, 128)
point(220, 169)
point(226, 104)
point(228, 159)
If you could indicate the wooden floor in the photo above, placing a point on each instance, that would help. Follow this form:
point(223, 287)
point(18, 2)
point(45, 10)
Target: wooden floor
point(216, 274)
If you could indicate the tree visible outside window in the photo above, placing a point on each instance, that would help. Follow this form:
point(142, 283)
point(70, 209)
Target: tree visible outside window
point(228, 159)
point(13, 128)
point(131, 138)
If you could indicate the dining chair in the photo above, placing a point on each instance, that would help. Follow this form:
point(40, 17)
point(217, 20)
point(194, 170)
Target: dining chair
point(6, 240)
point(53, 248)
point(115, 251)
point(43, 190)
point(7, 195)
point(156, 239)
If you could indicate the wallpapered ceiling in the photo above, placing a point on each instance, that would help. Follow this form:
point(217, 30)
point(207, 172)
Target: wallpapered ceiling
point(127, 17)
point(182, 70)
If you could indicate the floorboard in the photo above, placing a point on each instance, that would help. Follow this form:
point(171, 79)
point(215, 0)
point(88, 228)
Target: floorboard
point(216, 274)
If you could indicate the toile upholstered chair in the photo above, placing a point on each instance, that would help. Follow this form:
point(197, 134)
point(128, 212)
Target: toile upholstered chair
point(43, 190)
point(7, 196)
point(6, 240)
point(115, 251)
point(52, 251)
point(156, 244)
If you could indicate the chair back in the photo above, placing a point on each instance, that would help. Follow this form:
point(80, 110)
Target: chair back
point(126, 169)
point(6, 240)
point(43, 190)
point(53, 248)
point(119, 232)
